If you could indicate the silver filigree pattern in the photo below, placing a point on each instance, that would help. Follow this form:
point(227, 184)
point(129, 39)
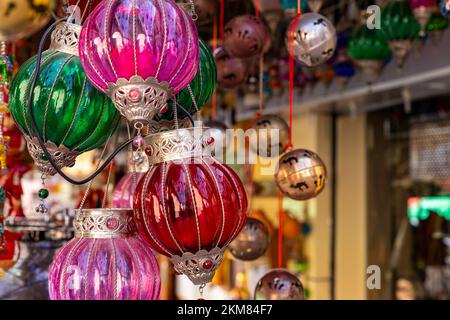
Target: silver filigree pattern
point(199, 267)
point(139, 100)
point(167, 125)
point(65, 38)
point(179, 144)
point(104, 223)
point(63, 156)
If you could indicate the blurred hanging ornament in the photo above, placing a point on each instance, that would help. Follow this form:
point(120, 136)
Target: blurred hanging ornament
point(21, 18)
point(444, 5)
point(201, 88)
point(436, 27)
point(344, 71)
point(325, 74)
point(164, 56)
point(271, 136)
point(105, 261)
point(314, 39)
point(10, 252)
point(231, 71)
point(315, 5)
point(71, 115)
point(399, 28)
point(369, 49)
point(205, 10)
point(245, 36)
point(252, 242)
point(422, 10)
point(85, 6)
point(279, 284)
point(301, 174)
point(187, 189)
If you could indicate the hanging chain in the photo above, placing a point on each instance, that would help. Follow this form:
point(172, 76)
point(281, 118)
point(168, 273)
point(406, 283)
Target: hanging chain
point(189, 6)
point(201, 289)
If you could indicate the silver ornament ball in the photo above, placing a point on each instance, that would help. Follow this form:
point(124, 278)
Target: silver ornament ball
point(252, 242)
point(279, 284)
point(272, 136)
point(314, 39)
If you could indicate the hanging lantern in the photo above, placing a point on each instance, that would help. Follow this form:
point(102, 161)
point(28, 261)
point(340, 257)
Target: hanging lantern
point(314, 39)
point(21, 18)
point(301, 174)
point(271, 136)
point(200, 89)
point(436, 27)
point(369, 49)
point(444, 5)
point(252, 242)
point(71, 115)
point(279, 284)
point(189, 206)
point(422, 10)
point(9, 250)
point(123, 194)
point(231, 72)
point(400, 28)
point(105, 261)
point(139, 53)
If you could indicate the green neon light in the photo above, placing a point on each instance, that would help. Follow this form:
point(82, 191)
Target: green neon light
point(420, 208)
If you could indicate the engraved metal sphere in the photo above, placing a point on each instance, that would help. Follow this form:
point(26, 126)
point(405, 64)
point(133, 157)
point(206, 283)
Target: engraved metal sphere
point(231, 71)
point(21, 18)
point(279, 284)
point(314, 39)
point(272, 136)
point(245, 36)
point(301, 174)
point(205, 10)
point(252, 242)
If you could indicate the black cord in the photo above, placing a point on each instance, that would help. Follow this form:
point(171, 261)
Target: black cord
point(187, 113)
point(35, 131)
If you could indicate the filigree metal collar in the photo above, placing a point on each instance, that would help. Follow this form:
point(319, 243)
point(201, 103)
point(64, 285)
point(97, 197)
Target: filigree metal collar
point(65, 38)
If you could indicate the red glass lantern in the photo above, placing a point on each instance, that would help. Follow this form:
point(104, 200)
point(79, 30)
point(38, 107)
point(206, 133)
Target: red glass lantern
point(9, 250)
point(189, 206)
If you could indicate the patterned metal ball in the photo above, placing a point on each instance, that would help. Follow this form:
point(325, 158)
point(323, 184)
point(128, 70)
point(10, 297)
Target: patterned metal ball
point(272, 136)
point(21, 18)
point(205, 10)
point(231, 71)
point(252, 242)
point(301, 174)
point(245, 36)
point(314, 39)
point(279, 284)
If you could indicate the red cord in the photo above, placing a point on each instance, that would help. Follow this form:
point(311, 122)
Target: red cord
point(222, 20)
point(257, 8)
point(214, 97)
point(280, 230)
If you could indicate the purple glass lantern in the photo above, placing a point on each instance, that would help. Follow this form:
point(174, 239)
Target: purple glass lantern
point(105, 261)
point(140, 53)
point(123, 194)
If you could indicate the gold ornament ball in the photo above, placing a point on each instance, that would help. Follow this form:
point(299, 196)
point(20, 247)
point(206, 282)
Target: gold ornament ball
point(301, 174)
point(21, 18)
point(272, 136)
point(279, 284)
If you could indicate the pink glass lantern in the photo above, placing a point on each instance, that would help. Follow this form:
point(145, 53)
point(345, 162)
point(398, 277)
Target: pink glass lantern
point(140, 53)
point(105, 261)
point(423, 10)
point(123, 194)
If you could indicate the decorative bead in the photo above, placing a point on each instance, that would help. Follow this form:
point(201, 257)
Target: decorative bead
point(139, 142)
point(44, 157)
point(43, 193)
point(134, 95)
point(149, 151)
point(207, 264)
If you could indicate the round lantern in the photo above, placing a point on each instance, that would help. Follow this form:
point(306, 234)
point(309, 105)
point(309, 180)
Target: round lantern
point(400, 28)
point(279, 284)
point(272, 136)
point(231, 71)
point(369, 49)
point(245, 36)
point(422, 10)
point(71, 115)
point(200, 89)
point(436, 27)
point(252, 242)
point(21, 18)
point(314, 39)
point(301, 174)
point(105, 261)
point(189, 206)
point(123, 194)
point(140, 53)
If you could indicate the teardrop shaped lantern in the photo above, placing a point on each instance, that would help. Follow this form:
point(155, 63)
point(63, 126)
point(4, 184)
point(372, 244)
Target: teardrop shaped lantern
point(139, 53)
point(400, 28)
point(436, 27)
point(189, 206)
point(105, 261)
point(71, 115)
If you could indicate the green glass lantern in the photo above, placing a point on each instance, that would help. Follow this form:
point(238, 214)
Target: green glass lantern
point(369, 49)
point(400, 28)
point(436, 27)
point(72, 117)
point(201, 87)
